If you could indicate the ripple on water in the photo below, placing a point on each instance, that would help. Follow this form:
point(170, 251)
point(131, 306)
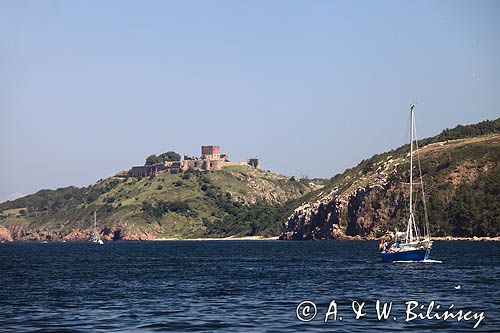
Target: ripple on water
point(234, 286)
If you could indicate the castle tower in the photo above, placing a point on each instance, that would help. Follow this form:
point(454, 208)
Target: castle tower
point(210, 152)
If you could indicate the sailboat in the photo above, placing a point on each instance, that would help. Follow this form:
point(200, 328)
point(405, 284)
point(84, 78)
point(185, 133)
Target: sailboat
point(409, 245)
point(95, 236)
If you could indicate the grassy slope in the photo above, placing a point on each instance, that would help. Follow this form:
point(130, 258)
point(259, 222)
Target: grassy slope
point(119, 202)
point(442, 144)
point(434, 157)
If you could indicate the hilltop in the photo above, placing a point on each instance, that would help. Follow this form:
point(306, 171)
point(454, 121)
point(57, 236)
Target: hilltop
point(211, 197)
point(235, 200)
point(461, 174)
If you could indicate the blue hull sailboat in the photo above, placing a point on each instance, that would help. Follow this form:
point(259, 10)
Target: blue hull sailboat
point(409, 245)
point(411, 255)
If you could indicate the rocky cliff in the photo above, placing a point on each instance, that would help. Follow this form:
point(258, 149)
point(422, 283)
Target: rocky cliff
point(461, 181)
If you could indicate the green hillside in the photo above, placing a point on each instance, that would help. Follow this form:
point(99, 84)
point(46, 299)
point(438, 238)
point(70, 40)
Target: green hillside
point(236, 200)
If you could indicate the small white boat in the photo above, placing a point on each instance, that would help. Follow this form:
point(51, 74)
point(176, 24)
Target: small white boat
point(95, 236)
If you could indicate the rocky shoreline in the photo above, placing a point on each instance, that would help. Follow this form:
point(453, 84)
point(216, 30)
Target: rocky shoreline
point(446, 238)
point(19, 234)
point(468, 239)
point(8, 235)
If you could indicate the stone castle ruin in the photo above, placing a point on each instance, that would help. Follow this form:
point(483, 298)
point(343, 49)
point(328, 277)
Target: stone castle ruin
point(211, 159)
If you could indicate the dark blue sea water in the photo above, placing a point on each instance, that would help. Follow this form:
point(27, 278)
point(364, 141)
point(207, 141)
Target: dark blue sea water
point(237, 286)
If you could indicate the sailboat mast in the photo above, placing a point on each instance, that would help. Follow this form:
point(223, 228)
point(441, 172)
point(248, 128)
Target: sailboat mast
point(409, 229)
point(411, 159)
point(95, 222)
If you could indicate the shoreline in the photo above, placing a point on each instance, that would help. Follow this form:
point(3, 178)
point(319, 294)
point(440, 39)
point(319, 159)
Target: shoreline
point(260, 238)
point(445, 238)
point(468, 239)
point(238, 238)
point(344, 238)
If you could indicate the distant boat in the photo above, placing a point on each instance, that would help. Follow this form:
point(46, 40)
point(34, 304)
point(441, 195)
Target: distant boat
point(95, 236)
point(409, 245)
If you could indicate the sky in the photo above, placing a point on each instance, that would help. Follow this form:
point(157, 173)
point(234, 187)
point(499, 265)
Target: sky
point(89, 88)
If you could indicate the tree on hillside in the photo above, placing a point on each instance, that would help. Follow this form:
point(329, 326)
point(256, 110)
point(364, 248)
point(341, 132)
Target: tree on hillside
point(153, 159)
point(170, 156)
point(475, 208)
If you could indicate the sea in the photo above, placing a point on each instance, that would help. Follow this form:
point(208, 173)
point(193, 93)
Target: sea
point(245, 286)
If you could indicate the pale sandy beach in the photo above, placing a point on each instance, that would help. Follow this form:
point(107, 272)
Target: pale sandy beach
point(221, 239)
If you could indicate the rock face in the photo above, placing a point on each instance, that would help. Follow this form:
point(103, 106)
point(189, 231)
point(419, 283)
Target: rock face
point(336, 218)
point(371, 198)
point(18, 233)
point(5, 235)
point(321, 221)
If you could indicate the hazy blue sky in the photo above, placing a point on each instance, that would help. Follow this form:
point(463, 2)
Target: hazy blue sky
point(88, 88)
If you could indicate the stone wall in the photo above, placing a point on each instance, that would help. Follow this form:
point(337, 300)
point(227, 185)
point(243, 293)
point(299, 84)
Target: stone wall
point(146, 170)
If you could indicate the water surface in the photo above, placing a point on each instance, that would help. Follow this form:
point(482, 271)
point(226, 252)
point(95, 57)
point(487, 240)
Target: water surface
point(236, 286)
